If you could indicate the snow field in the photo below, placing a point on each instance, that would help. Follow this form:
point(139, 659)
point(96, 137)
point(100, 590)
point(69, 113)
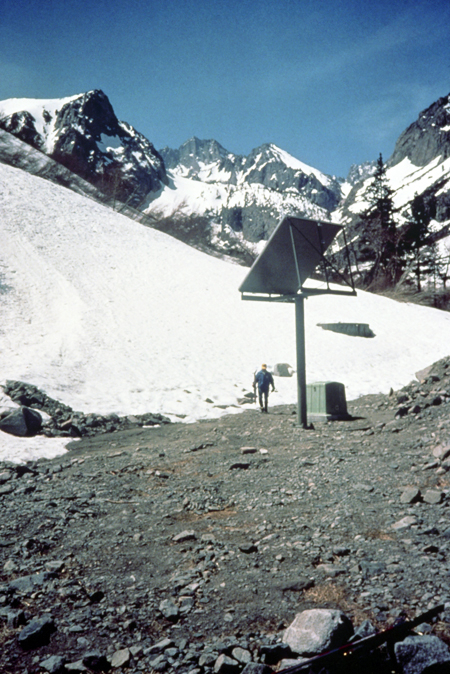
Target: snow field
point(107, 315)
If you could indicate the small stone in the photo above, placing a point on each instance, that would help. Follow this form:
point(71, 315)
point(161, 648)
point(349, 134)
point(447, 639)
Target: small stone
point(301, 585)
point(54, 664)
point(404, 523)
point(75, 667)
point(207, 659)
point(9, 566)
point(159, 664)
point(331, 570)
point(54, 566)
point(169, 610)
point(248, 549)
point(410, 495)
point(120, 658)
point(226, 665)
point(241, 655)
point(256, 668)
point(160, 646)
point(184, 536)
point(432, 496)
point(5, 476)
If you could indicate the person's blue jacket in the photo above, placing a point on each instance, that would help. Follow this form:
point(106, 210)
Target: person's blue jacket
point(264, 379)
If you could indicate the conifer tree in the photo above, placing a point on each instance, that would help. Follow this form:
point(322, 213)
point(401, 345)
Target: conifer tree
point(379, 231)
point(417, 242)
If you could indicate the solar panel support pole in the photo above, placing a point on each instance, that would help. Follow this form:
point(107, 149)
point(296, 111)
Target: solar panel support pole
point(301, 361)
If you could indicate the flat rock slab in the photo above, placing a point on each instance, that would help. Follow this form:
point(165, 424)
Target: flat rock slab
point(404, 523)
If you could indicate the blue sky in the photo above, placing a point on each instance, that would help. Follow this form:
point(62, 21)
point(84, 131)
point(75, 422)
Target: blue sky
point(333, 83)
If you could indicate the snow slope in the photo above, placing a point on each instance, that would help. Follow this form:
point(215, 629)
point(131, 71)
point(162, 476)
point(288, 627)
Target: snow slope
point(107, 315)
point(406, 180)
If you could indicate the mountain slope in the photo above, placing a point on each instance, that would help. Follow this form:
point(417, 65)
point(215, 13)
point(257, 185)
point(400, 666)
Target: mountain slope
point(420, 164)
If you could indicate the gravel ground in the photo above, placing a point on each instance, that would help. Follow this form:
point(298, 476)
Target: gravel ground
point(220, 532)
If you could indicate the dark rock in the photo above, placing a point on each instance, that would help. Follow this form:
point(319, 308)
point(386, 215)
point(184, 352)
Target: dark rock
point(96, 662)
point(370, 569)
point(420, 654)
point(37, 633)
point(21, 422)
point(26, 584)
point(274, 653)
point(300, 585)
point(169, 610)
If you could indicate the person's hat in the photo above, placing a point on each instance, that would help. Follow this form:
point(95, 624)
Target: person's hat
point(264, 366)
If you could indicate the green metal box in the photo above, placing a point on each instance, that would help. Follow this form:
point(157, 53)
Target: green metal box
point(325, 400)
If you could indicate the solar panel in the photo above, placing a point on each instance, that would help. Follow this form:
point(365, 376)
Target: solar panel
point(290, 256)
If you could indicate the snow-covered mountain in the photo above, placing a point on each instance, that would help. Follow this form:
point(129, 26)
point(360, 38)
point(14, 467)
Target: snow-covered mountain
point(208, 196)
point(83, 134)
point(245, 193)
point(244, 196)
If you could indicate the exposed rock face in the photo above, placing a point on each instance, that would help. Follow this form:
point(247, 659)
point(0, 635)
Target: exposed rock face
point(86, 137)
point(256, 189)
point(360, 172)
point(21, 125)
point(195, 155)
point(427, 138)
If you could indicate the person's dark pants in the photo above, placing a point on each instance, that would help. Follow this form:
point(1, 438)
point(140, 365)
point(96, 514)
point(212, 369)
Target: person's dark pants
point(263, 399)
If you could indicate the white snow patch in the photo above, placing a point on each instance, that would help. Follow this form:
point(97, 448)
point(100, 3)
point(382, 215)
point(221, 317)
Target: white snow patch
point(109, 143)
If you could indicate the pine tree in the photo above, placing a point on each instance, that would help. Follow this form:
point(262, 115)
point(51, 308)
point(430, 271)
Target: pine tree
point(379, 231)
point(417, 242)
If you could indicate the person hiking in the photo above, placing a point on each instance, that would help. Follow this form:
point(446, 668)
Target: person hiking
point(264, 380)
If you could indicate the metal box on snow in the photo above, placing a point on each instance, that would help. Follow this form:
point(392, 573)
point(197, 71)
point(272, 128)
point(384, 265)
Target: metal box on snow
point(325, 400)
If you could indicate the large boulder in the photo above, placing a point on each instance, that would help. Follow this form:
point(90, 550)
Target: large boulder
point(416, 654)
point(317, 630)
point(22, 421)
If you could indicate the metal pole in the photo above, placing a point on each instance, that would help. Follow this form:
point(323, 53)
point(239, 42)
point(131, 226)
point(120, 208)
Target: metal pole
point(301, 361)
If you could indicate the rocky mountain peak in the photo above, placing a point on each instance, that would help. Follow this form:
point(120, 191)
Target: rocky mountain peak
point(427, 138)
point(83, 134)
point(92, 112)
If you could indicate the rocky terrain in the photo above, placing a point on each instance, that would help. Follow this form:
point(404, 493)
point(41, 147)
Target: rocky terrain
point(191, 548)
